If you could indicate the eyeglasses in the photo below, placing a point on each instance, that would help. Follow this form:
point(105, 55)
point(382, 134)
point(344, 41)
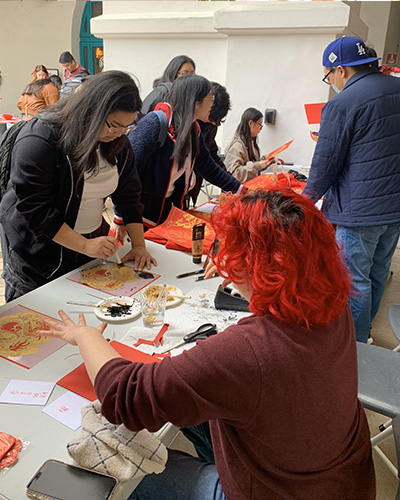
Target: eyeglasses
point(325, 78)
point(259, 124)
point(182, 73)
point(116, 130)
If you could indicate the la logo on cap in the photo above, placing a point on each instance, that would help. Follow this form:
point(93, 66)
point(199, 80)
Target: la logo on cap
point(361, 49)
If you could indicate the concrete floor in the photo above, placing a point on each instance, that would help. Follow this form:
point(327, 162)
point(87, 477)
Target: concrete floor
point(382, 336)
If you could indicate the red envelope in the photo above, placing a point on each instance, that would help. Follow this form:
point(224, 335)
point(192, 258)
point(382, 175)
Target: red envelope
point(78, 380)
point(279, 150)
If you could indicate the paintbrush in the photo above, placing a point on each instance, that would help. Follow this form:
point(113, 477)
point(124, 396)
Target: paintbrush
point(122, 267)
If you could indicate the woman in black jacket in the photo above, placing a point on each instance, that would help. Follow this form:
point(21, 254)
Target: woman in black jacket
point(65, 163)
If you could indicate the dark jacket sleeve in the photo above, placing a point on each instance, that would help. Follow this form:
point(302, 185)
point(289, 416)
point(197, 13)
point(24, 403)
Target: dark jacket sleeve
point(126, 197)
point(209, 132)
point(330, 152)
point(33, 177)
point(212, 172)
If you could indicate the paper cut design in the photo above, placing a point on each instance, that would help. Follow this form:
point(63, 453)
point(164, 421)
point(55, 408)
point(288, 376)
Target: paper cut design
point(78, 380)
point(109, 278)
point(279, 150)
point(176, 231)
point(313, 112)
point(266, 181)
point(19, 340)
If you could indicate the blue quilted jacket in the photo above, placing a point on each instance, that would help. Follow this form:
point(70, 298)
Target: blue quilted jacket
point(356, 164)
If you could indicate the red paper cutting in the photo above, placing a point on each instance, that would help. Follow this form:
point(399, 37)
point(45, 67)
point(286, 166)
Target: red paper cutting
point(313, 112)
point(266, 181)
point(279, 150)
point(176, 231)
point(78, 380)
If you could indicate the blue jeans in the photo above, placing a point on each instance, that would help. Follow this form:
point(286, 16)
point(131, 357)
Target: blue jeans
point(185, 477)
point(368, 253)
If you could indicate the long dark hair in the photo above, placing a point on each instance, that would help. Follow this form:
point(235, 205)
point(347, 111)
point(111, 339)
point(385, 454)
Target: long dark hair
point(185, 92)
point(171, 71)
point(243, 131)
point(35, 88)
point(81, 117)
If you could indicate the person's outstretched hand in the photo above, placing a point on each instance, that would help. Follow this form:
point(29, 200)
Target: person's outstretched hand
point(68, 330)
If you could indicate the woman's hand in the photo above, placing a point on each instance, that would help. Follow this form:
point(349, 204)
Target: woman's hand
point(102, 247)
point(266, 163)
point(211, 268)
point(94, 348)
point(68, 330)
point(141, 256)
point(119, 231)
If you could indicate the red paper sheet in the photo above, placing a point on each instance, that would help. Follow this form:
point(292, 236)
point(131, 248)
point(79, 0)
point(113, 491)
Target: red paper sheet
point(313, 112)
point(279, 150)
point(78, 380)
point(176, 231)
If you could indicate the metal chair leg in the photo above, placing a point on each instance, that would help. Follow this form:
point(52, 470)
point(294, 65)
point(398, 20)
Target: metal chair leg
point(380, 438)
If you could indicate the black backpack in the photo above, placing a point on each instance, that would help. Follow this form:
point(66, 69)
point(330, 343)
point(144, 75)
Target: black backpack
point(159, 94)
point(7, 142)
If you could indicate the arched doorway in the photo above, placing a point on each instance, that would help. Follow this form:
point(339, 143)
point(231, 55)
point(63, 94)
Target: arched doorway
point(90, 47)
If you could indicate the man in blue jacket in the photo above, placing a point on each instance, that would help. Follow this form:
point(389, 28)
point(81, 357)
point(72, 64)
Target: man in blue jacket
point(356, 167)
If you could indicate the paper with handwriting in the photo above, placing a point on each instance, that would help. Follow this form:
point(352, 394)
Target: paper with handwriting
point(27, 392)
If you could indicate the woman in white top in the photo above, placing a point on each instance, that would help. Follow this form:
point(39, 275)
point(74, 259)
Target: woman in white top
point(242, 156)
point(65, 162)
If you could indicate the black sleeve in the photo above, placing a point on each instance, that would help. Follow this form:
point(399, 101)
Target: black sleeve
point(212, 172)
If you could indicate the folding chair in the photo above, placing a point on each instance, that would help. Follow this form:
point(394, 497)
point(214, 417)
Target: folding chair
point(379, 391)
point(394, 320)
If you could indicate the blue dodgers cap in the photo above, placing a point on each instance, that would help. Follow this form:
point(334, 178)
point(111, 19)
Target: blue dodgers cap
point(346, 51)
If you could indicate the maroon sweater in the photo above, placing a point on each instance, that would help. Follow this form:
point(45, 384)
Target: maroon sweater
point(282, 403)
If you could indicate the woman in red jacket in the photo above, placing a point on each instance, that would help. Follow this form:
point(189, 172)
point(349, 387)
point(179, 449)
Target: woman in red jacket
point(278, 390)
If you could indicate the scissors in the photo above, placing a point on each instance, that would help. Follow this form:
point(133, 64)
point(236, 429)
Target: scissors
point(202, 332)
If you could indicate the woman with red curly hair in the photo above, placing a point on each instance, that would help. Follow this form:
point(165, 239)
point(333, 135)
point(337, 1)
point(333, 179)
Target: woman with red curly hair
point(273, 398)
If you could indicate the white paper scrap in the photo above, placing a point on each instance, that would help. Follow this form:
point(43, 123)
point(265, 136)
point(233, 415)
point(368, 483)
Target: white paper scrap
point(27, 392)
point(67, 409)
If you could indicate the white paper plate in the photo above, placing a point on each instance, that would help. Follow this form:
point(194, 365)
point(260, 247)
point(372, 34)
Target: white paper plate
point(172, 290)
point(103, 314)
